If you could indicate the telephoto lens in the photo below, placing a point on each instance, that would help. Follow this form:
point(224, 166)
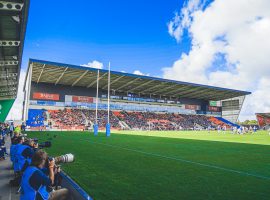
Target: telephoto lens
point(67, 158)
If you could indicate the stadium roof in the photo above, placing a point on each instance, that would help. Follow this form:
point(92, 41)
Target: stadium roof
point(13, 20)
point(73, 75)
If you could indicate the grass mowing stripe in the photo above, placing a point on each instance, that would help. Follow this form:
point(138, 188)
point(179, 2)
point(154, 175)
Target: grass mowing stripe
point(184, 160)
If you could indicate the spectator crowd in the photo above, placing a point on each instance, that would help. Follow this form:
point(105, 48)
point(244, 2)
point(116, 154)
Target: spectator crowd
point(83, 119)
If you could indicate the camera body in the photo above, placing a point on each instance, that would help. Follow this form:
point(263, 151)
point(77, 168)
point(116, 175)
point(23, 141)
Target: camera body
point(46, 144)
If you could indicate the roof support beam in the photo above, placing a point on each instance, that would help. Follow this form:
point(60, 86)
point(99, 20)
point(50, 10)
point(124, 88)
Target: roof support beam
point(139, 86)
point(127, 84)
point(9, 83)
point(176, 90)
point(11, 6)
point(188, 92)
point(164, 89)
point(226, 95)
point(91, 84)
point(9, 43)
point(7, 89)
point(8, 62)
point(153, 87)
point(8, 75)
point(75, 82)
point(195, 94)
point(41, 73)
point(61, 76)
point(112, 82)
point(208, 96)
point(7, 94)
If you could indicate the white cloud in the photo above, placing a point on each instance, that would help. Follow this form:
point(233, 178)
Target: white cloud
point(183, 19)
point(238, 30)
point(94, 64)
point(16, 110)
point(138, 72)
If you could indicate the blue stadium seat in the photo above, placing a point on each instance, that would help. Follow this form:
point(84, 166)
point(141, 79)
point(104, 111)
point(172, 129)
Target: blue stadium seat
point(35, 118)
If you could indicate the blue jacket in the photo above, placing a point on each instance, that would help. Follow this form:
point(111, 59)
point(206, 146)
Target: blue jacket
point(27, 191)
point(19, 159)
point(12, 152)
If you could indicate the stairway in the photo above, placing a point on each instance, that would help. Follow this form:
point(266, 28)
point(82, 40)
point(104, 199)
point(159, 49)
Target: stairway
point(227, 122)
point(124, 125)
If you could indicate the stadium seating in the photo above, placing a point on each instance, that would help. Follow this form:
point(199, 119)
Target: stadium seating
point(102, 118)
point(227, 122)
point(82, 119)
point(67, 119)
point(163, 121)
point(36, 117)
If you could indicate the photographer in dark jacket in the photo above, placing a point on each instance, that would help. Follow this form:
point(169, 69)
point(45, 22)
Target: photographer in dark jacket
point(36, 184)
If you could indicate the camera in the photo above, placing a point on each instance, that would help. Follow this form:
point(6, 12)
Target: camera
point(45, 144)
point(30, 141)
point(67, 158)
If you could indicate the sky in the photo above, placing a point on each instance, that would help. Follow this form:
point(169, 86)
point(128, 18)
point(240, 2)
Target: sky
point(216, 42)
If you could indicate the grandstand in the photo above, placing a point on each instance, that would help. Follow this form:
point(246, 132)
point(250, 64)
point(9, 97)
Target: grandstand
point(63, 96)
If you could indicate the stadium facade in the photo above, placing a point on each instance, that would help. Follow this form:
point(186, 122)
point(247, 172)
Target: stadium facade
point(52, 86)
point(13, 22)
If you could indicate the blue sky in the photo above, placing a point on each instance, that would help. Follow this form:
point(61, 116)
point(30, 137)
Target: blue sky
point(225, 47)
point(132, 35)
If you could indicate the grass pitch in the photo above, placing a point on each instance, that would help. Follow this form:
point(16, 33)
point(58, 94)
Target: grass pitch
point(166, 165)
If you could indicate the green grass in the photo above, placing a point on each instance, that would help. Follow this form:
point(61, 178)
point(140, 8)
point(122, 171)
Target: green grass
point(166, 165)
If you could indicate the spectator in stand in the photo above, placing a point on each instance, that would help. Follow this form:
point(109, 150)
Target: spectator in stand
point(3, 150)
point(83, 119)
point(23, 126)
point(11, 129)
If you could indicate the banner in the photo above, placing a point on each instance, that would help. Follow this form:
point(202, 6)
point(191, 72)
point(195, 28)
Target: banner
point(45, 96)
point(212, 103)
point(80, 99)
point(192, 107)
point(214, 108)
point(84, 99)
point(5, 106)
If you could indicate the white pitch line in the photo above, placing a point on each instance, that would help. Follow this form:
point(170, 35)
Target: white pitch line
point(185, 161)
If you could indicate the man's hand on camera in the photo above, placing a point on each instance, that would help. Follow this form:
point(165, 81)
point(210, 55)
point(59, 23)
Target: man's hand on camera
point(35, 145)
point(58, 169)
point(51, 164)
point(51, 170)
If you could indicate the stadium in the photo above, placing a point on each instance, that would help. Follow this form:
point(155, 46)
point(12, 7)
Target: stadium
point(58, 93)
point(118, 135)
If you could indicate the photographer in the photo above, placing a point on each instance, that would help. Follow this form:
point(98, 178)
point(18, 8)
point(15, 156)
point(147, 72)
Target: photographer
point(22, 155)
point(3, 150)
point(36, 185)
point(14, 142)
